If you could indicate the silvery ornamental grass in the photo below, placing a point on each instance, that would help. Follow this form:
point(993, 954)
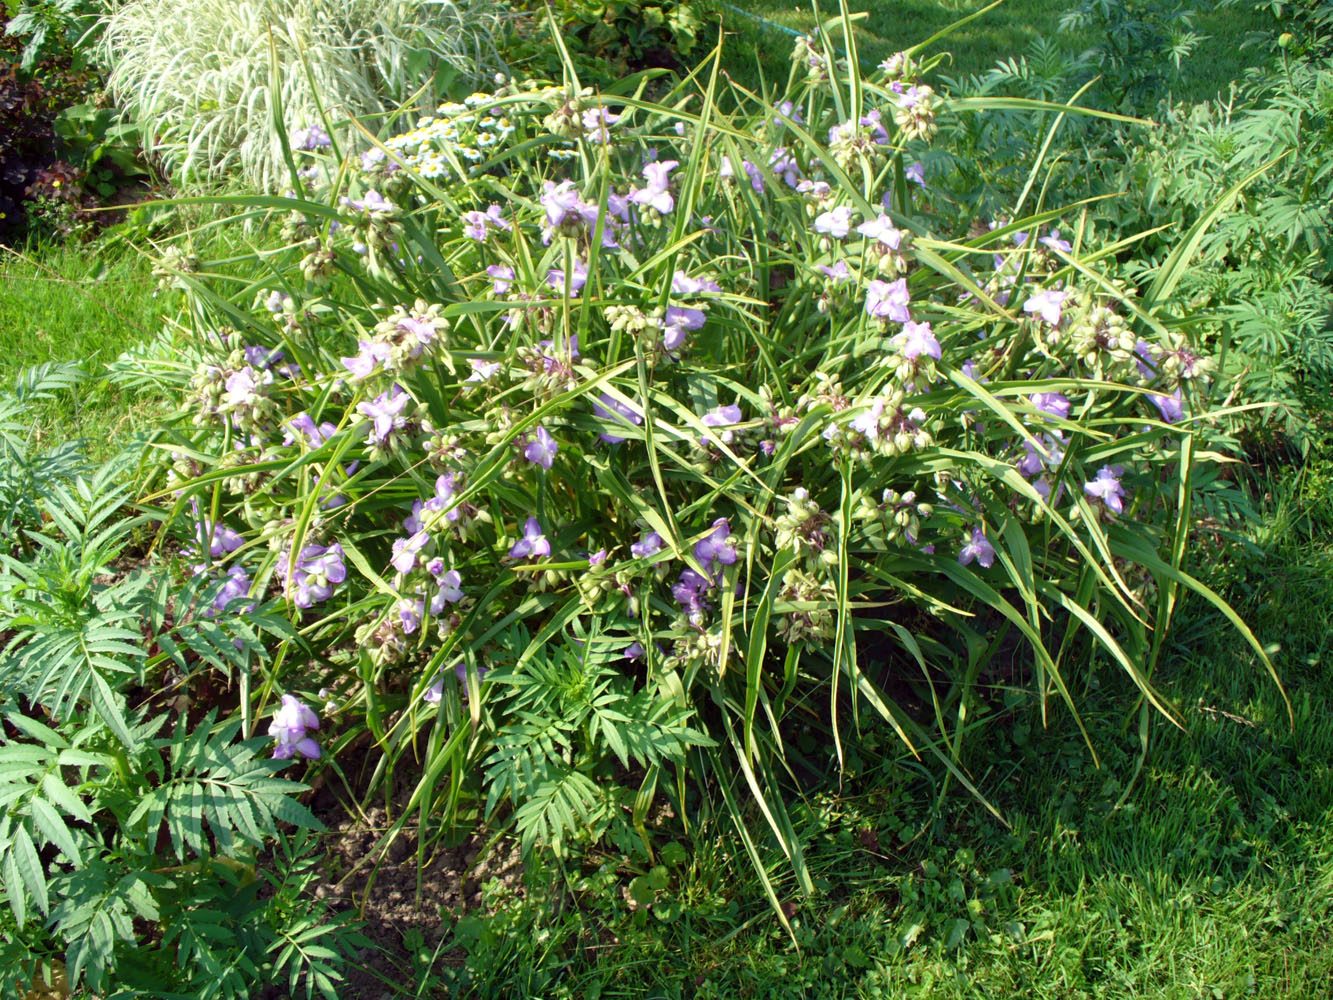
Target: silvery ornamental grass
point(601, 446)
point(227, 87)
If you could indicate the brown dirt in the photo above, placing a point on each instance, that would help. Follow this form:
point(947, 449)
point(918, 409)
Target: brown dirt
point(382, 889)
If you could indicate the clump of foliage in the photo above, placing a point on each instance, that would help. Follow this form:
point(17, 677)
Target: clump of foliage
point(130, 848)
point(600, 443)
point(224, 88)
point(607, 41)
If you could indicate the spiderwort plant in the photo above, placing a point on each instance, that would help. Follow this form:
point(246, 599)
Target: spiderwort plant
point(691, 401)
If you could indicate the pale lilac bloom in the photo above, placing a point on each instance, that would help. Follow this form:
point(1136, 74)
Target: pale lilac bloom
point(1046, 303)
point(291, 723)
point(784, 166)
point(1106, 488)
point(789, 111)
point(683, 284)
point(475, 226)
point(609, 408)
point(867, 423)
point(406, 550)
point(1056, 404)
point(839, 273)
point(980, 549)
point(873, 121)
point(677, 324)
point(319, 569)
point(1033, 460)
point(304, 425)
point(482, 370)
point(634, 652)
point(723, 417)
point(597, 124)
point(409, 615)
point(883, 230)
point(372, 203)
point(917, 339)
point(502, 277)
point(836, 222)
point(1054, 242)
point(1145, 360)
point(647, 545)
point(889, 300)
point(221, 540)
point(310, 138)
point(235, 585)
point(533, 542)
point(368, 359)
point(689, 592)
point(755, 175)
point(243, 387)
point(450, 591)
point(657, 194)
point(815, 190)
point(385, 413)
point(541, 448)
point(717, 548)
point(1172, 408)
point(916, 173)
point(577, 279)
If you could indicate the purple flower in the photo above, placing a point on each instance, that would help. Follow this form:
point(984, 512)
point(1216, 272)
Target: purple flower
point(689, 592)
point(1172, 408)
point(648, 545)
point(577, 279)
point(368, 359)
point(980, 549)
point(482, 371)
point(474, 227)
point(1106, 488)
point(888, 300)
point(755, 175)
point(502, 277)
point(406, 550)
point(916, 173)
point(883, 230)
point(373, 203)
point(310, 138)
point(409, 615)
point(836, 222)
point(1054, 242)
point(839, 273)
point(533, 542)
point(1046, 303)
point(1054, 403)
point(634, 652)
point(723, 417)
point(541, 448)
point(235, 585)
point(657, 194)
point(291, 722)
point(677, 324)
point(450, 591)
point(568, 214)
point(1145, 360)
point(243, 387)
point(318, 570)
point(683, 284)
point(784, 165)
point(716, 549)
point(597, 124)
point(614, 410)
point(917, 339)
point(385, 412)
point(304, 425)
point(263, 357)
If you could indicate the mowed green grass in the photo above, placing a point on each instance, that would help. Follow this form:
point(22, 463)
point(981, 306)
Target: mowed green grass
point(1234, 36)
point(84, 303)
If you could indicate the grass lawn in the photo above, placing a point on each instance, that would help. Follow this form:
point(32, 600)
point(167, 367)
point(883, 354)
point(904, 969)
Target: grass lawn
point(1004, 33)
point(78, 303)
